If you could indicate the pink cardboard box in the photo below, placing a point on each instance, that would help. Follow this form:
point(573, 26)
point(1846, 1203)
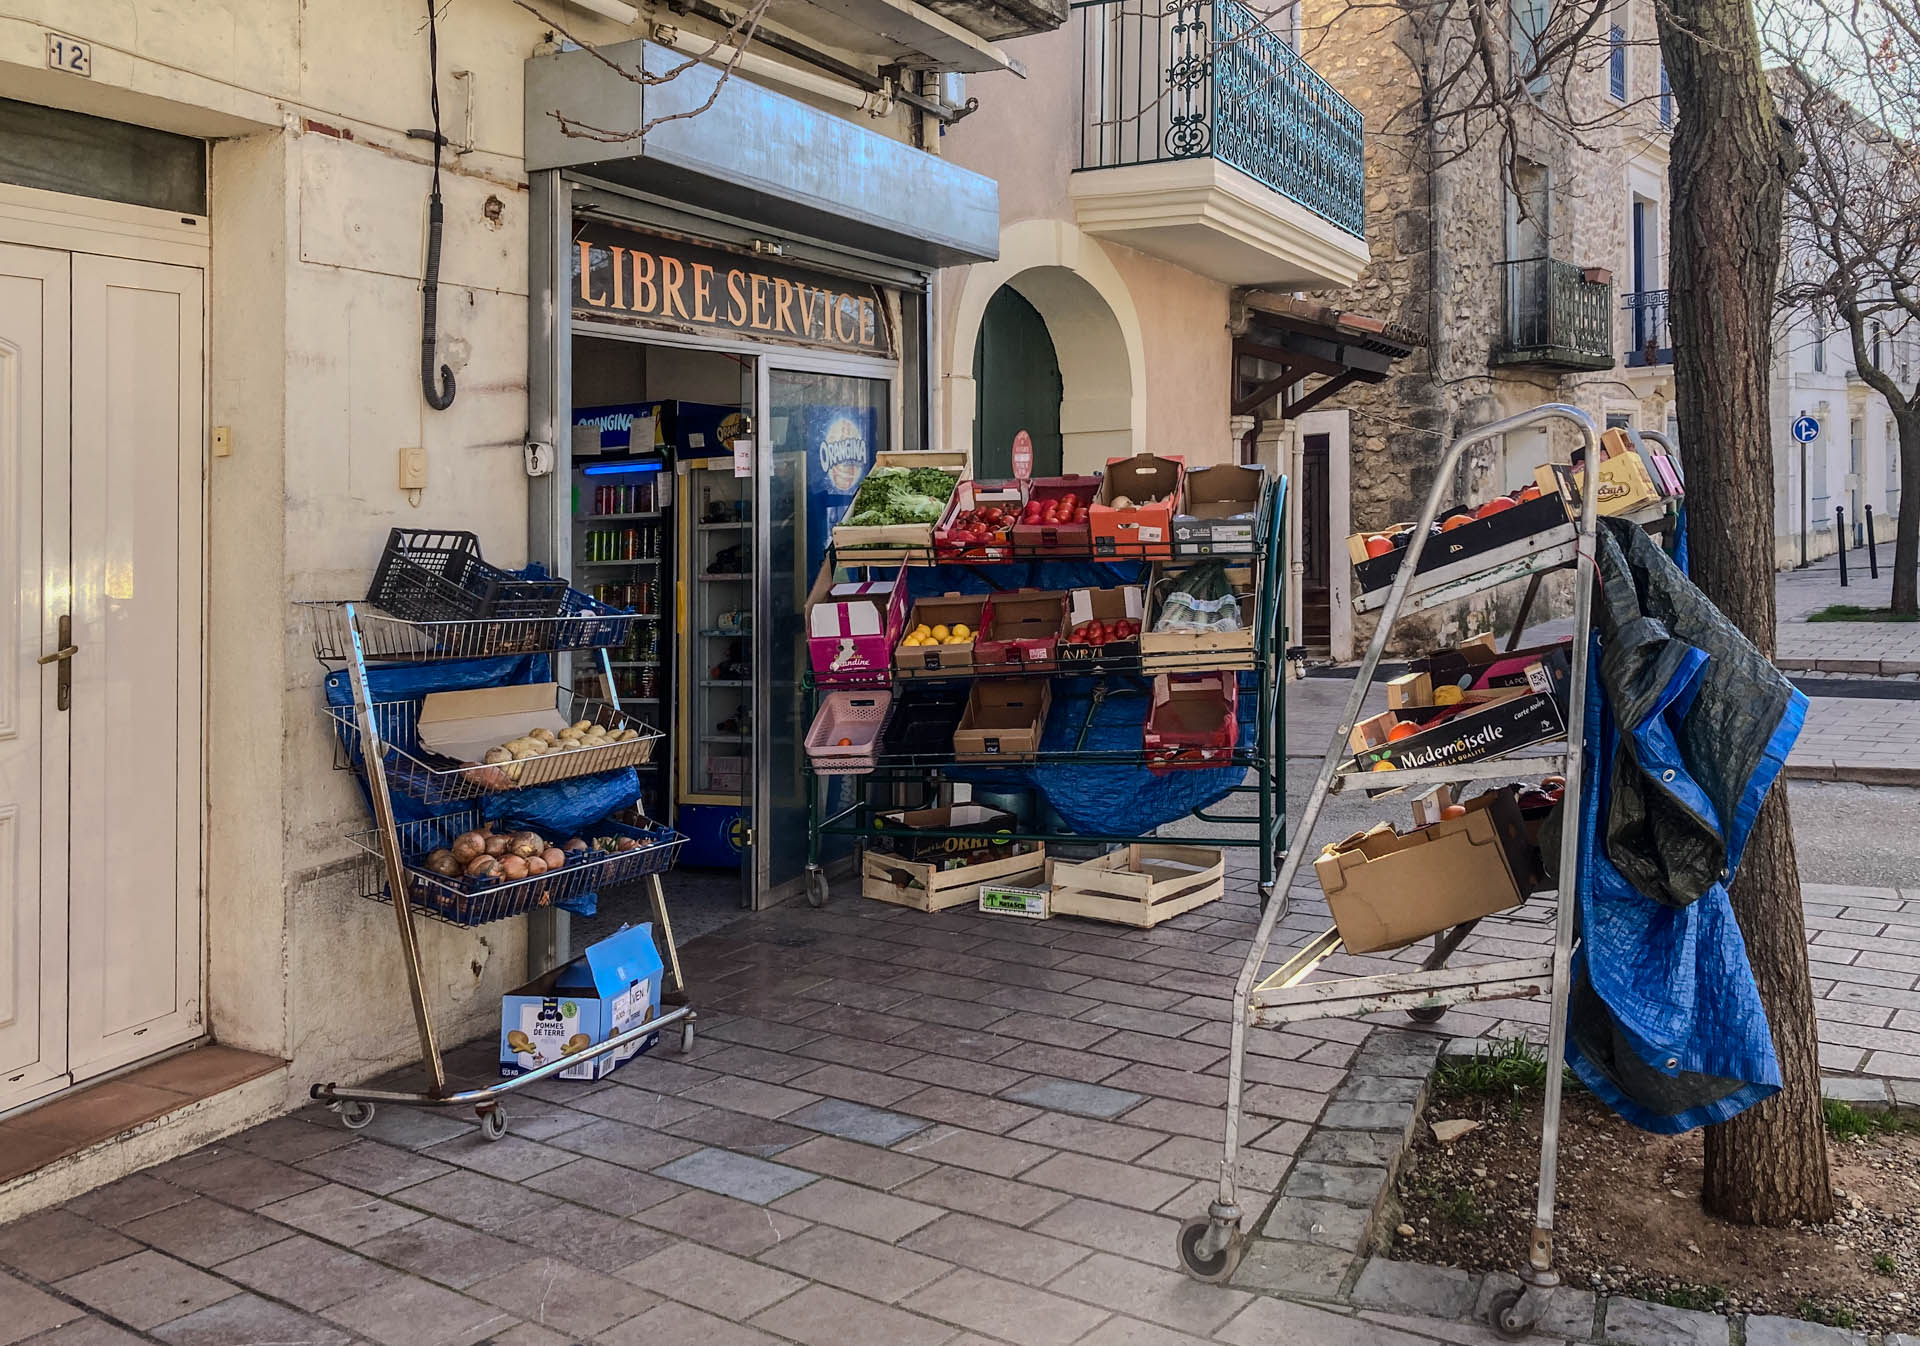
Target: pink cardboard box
point(852, 626)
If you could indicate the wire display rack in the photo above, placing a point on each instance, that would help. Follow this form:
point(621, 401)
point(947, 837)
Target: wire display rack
point(1210, 1246)
point(1263, 757)
point(379, 740)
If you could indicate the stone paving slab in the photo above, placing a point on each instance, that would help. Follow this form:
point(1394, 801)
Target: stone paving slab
point(889, 1132)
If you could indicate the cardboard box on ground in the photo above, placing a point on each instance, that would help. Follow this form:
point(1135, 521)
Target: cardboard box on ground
point(613, 986)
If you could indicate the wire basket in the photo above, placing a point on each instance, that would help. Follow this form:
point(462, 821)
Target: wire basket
point(846, 732)
point(388, 639)
point(433, 779)
point(432, 576)
point(470, 902)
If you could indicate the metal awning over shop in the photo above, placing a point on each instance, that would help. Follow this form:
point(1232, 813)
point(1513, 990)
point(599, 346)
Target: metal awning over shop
point(754, 154)
point(1280, 340)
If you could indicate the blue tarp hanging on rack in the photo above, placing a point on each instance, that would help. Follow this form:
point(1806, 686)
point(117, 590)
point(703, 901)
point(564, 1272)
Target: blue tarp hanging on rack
point(1688, 731)
point(1091, 798)
point(562, 807)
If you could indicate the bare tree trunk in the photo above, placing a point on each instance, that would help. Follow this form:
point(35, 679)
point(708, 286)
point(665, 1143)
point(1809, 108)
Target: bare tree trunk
point(1906, 531)
point(1731, 158)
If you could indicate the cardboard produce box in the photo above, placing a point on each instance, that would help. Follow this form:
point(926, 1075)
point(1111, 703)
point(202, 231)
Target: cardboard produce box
point(1193, 721)
point(852, 627)
point(1387, 890)
point(1022, 627)
point(1143, 526)
point(1004, 720)
point(1476, 665)
point(1472, 730)
point(1043, 538)
point(1106, 606)
point(1223, 511)
point(613, 986)
point(1624, 483)
point(971, 496)
point(1545, 509)
point(465, 726)
point(1175, 651)
point(953, 609)
point(913, 834)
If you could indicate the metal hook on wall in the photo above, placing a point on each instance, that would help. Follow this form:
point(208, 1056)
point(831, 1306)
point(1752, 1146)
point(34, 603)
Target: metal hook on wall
point(440, 396)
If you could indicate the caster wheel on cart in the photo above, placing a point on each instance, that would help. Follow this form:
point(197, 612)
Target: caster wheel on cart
point(493, 1123)
point(686, 1036)
point(1427, 1014)
point(355, 1116)
point(1214, 1269)
point(1503, 1315)
point(816, 886)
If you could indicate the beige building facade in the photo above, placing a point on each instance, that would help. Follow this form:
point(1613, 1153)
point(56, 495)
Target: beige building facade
point(215, 222)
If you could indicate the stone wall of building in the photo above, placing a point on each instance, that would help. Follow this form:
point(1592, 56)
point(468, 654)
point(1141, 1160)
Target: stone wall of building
point(1438, 224)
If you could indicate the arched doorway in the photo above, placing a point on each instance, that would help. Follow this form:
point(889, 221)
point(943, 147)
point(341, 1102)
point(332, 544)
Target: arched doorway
point(1071, 291)
point(1016, 379)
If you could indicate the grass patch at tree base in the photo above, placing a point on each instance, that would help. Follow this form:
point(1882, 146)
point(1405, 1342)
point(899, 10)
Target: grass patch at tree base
point(1851, 612)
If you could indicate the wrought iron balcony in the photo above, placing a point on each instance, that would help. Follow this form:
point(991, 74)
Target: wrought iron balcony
point(1170, 80)
point(1557, 316)
point(1652, 338)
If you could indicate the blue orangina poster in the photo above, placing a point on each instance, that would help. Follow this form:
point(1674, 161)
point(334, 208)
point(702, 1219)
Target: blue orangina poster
point(839, 445)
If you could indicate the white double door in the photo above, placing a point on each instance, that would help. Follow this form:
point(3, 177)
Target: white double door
point(101, 431)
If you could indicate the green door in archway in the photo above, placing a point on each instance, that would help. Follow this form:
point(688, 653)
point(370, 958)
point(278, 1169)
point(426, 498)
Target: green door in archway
point(1016, 379)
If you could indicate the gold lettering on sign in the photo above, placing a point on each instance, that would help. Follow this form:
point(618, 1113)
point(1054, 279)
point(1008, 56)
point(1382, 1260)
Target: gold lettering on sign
point(698, 286)
point(783, 305)
point(736, 298)
point(702, 292)
point(646, 297)
point(586, 278)
point(759, 320)
point(673, 274)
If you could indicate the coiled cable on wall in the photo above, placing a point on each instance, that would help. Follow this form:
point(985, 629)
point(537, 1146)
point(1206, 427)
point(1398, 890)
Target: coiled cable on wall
point(438, 397)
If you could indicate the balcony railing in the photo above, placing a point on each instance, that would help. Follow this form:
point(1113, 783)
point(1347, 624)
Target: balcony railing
point(1185, 79)
point(1555, 316)
point(1651, 338)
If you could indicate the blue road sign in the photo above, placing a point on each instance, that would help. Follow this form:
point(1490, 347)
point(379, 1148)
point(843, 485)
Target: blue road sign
point(1806, 429)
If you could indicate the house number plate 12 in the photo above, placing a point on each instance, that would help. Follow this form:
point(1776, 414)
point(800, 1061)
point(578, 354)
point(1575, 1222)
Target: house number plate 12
point(69, 54)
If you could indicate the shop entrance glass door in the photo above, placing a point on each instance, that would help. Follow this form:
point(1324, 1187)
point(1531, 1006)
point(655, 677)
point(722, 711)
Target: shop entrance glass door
point(822, 423)
point(719, 718)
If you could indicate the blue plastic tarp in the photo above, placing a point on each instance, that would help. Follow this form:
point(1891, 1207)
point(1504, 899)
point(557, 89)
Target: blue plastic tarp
point(1687, 734)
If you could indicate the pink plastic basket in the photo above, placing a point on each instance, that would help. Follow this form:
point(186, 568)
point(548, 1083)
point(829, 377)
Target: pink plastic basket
point(859, 718)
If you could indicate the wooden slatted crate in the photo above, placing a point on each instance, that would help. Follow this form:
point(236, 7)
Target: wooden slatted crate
point(927, 887)
point(1142, 884)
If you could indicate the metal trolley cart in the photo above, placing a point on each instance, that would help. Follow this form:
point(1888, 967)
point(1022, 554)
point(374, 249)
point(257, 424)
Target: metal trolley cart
point(1263, 758)
point(1210, 1245)
point(377, 740)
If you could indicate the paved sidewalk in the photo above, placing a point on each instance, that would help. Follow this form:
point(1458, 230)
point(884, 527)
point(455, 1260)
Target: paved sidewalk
point(1886, 648)
point(895, 1130)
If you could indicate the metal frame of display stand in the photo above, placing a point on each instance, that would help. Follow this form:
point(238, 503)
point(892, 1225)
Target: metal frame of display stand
point(1210, 1246)
point(424, 642)
point(1265, 757)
